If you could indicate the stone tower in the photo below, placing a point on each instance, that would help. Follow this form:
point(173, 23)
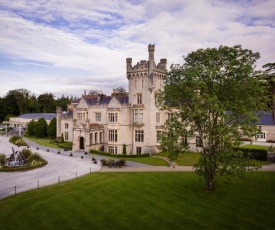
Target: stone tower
point(144, 79)
point(58, 122)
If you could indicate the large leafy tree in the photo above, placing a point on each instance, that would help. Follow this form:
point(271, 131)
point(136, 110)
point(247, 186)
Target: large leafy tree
point(214, 97)
point(47, 103)
point(22, 97)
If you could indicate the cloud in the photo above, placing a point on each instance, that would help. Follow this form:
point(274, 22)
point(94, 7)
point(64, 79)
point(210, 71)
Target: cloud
point(86, 42)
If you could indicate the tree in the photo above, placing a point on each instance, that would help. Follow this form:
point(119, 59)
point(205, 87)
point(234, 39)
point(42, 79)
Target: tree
point(52, 128)
point(63, 102)
point(22, 99)
point(270, 78)
point(40, 127)
point(120, 90)
point(214, 97)
point(47, 103)
point(30, 128)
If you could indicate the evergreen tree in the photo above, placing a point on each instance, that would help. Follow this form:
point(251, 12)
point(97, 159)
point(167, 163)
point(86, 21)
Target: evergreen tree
point(40, 128)
point(52, 129)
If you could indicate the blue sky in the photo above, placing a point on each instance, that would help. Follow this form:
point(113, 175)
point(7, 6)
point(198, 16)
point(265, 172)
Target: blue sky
point(68, 46)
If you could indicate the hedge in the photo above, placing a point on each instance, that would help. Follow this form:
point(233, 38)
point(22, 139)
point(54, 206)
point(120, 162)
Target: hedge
point(119, 155)
point(257, 154)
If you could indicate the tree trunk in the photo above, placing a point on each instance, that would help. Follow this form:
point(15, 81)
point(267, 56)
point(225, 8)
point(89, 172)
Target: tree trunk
point(210, 185)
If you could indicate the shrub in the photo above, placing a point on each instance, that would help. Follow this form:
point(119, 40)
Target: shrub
point(119, 155)
point(14, 138)
point(257, 154)
point(35, 159)
point(2, 159)
point(26, 153)
point(124, 152)
point(270, 141)
point(104, 162)
point(121, 162)
point(20, 142)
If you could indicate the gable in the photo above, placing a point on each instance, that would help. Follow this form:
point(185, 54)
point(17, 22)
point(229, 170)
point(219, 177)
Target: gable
point(82, 104)
point(114, 103)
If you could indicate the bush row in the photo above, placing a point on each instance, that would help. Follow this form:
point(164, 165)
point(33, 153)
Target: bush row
point(257, 154)
point(113, 163)
point(17, 140)
point(119, 155)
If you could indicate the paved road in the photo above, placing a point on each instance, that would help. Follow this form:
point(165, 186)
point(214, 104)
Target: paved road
point(59, 168)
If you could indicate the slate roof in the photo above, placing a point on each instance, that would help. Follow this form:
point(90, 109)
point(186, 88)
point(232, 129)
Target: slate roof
point(266, 119)
point(104, 100)
point(36, 116)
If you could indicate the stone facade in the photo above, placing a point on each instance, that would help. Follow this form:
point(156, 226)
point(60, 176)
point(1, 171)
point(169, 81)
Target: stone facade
point(108, 122)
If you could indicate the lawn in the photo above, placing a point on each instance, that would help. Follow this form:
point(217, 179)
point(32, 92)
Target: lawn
point(43, 142)
point(184, 159)
point(170, 200)
point(255, 146)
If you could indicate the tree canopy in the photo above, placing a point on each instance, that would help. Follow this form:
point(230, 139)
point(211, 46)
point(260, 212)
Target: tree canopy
point(215, 97)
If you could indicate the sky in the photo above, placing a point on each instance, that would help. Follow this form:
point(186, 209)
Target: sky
point(67, 46)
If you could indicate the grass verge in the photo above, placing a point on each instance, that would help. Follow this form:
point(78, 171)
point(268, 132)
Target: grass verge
point(173, 200)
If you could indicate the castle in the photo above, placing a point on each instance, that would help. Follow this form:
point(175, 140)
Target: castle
point(107, 123)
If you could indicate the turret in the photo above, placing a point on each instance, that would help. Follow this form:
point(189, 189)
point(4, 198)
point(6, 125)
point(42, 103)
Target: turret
point(151, 49)
point(129, 63)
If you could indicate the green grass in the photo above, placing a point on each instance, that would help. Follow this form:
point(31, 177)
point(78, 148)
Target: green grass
point(255, 147)
point(184, 159)
point(170, 200)
point(43, 142)
point(148, 160)
point(144, 160)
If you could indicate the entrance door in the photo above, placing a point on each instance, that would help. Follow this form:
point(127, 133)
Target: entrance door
point(81, 143)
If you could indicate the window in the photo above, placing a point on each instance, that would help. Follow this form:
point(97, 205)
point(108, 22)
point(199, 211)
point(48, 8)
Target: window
point(138, 150)
point(198, 141)
point(66, 125)
point(158, 117)
point(138, 115)
point(184, 140)
point(159, 133)
point(139, 98)
point(91, 138)
point(112, 135)
point(112, 149)
point(260, 136)
point(101, 137)
point(96, 138)
point(97, 116)
point(81, 116)
point(142, 84)
point(66, 136)
point(139, 135)
point(170, 115)
point(113, 117)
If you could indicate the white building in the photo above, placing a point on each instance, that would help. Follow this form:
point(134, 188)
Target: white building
point(108, 122)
